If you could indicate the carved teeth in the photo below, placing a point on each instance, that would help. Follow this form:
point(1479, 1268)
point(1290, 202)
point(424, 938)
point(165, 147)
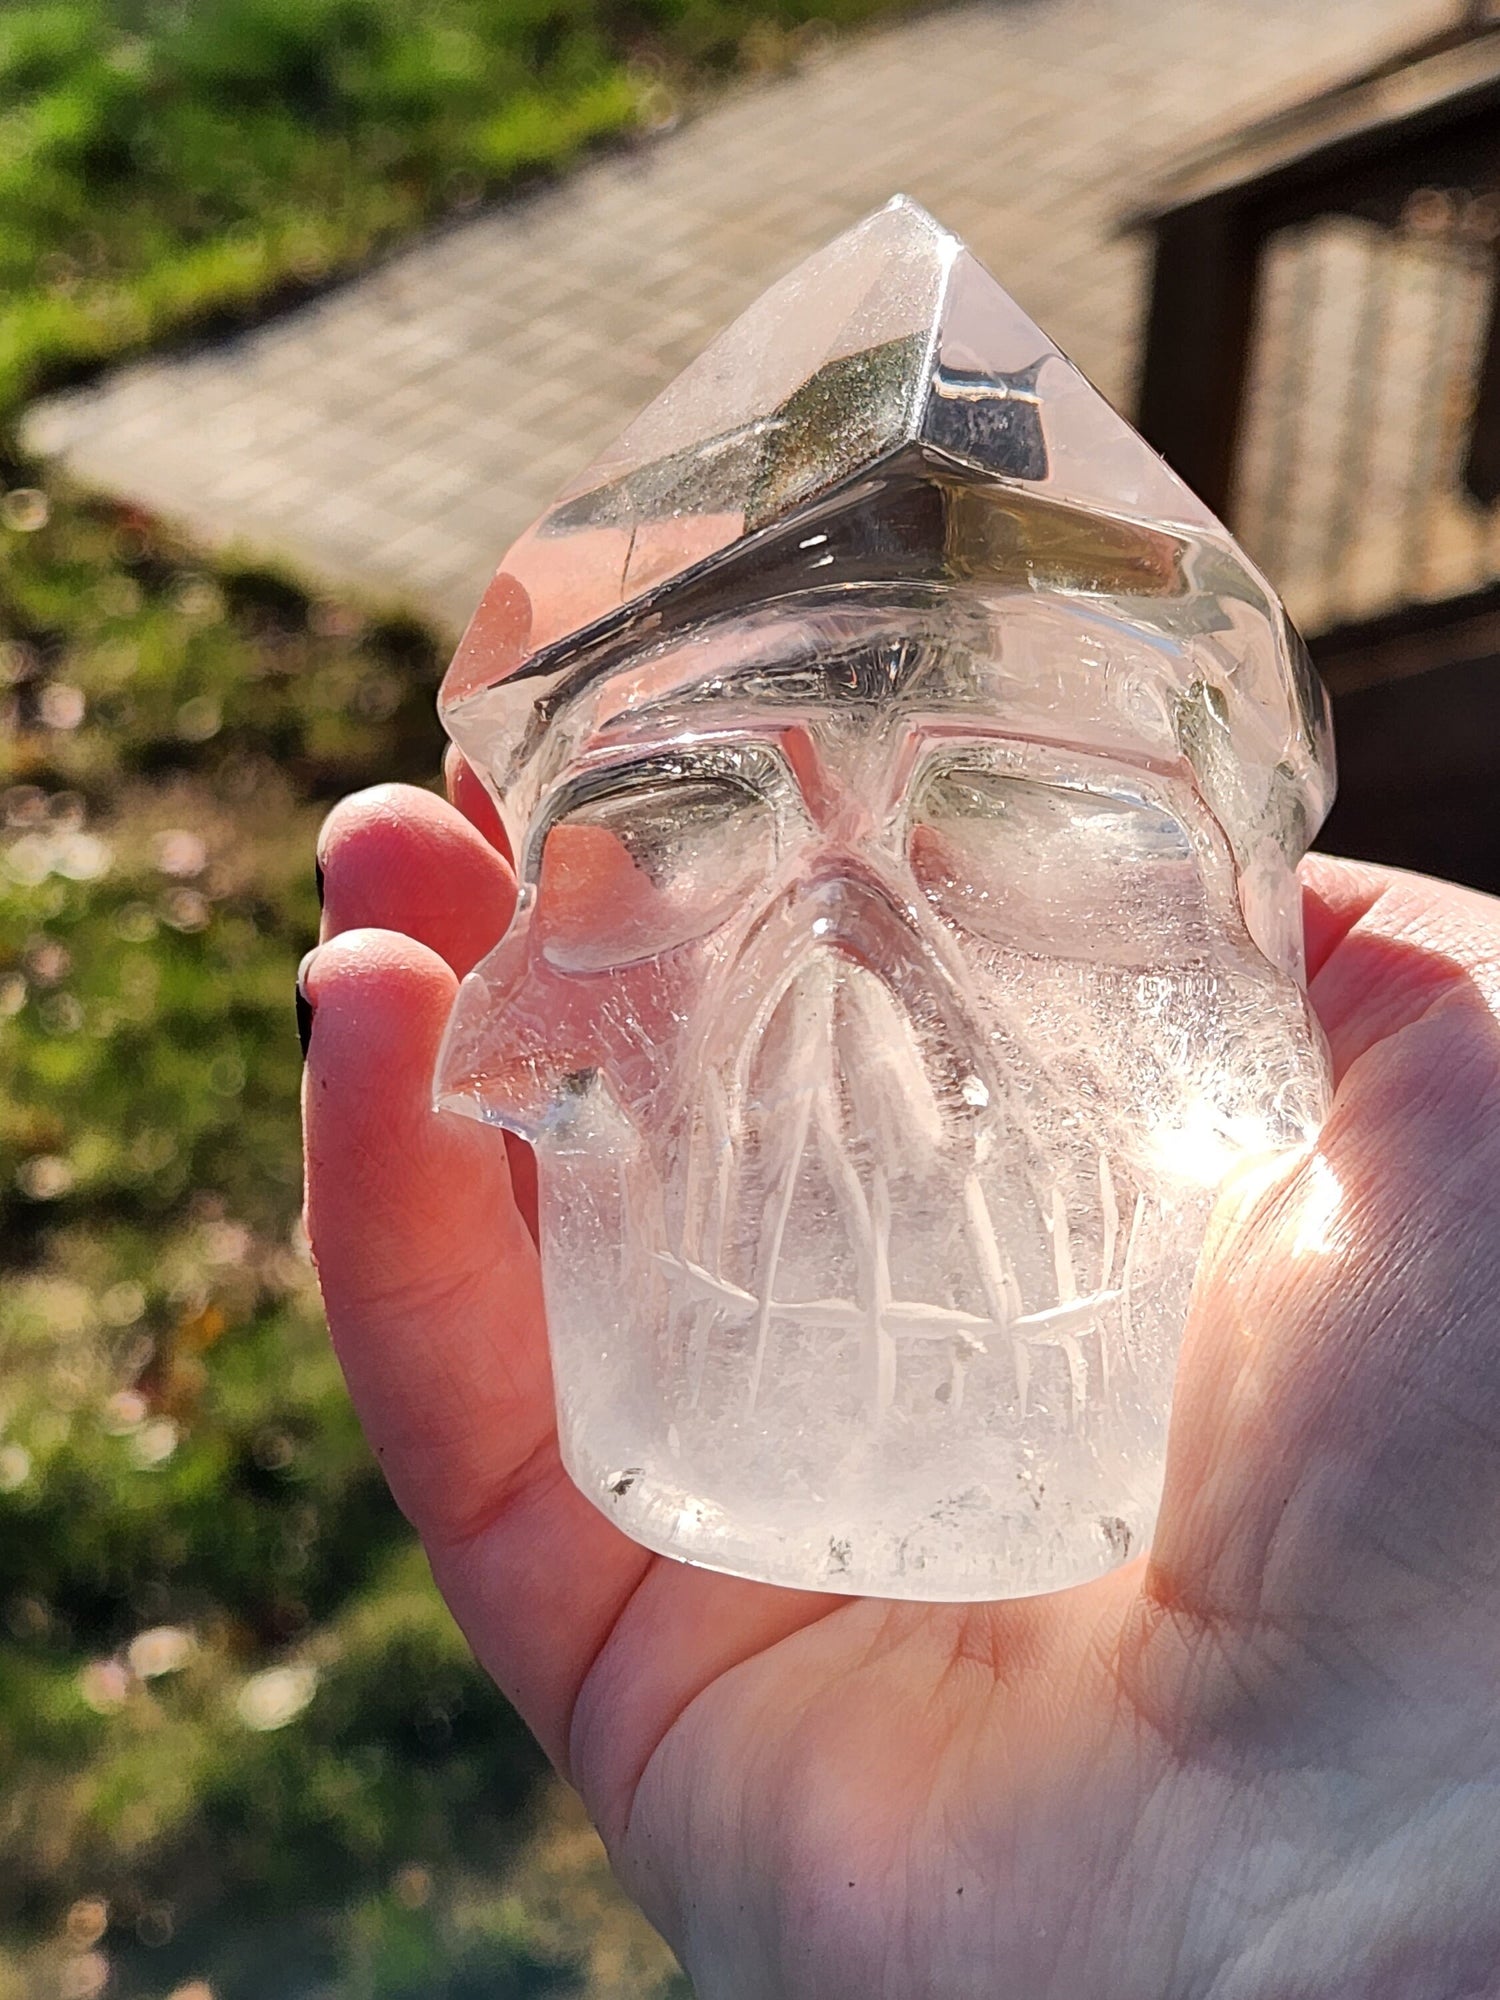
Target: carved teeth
point(912, 1317)
point(853, 1067)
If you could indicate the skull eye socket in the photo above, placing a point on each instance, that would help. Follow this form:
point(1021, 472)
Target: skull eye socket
point(650, 865)
point(1054, 869)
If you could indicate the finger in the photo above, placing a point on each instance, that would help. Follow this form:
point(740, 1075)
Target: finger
point(396, 858)
point(1384, 945)
point(434, 1299)
point(1335, 895)
point(466, 791)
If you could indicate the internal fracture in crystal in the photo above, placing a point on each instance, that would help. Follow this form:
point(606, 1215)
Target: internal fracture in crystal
point(907, 776)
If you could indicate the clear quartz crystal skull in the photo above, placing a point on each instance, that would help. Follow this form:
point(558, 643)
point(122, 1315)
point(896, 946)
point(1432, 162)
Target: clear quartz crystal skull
point(906, 776)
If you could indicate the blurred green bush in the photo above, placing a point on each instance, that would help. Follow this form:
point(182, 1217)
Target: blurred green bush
point(239, 1738)
point(163, 164)
point(240, 1742)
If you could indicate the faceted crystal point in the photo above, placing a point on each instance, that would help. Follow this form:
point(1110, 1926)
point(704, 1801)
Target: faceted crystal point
point(906, 775)
point(890, 358)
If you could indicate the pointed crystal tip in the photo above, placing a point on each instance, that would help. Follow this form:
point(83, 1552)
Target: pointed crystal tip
point(892, 336)
point(887, 380)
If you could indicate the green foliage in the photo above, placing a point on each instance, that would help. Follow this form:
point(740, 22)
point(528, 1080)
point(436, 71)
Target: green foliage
point(239, 1737)
point(164, 164)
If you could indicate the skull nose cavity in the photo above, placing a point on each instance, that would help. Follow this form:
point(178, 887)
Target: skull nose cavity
point(841, 1040)
point(844, 903)
point(913, 1058)
point(843, 1004)
point(887, 1082)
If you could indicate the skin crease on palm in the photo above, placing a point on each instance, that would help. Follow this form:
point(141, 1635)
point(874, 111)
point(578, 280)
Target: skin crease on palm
point(1262, 1762)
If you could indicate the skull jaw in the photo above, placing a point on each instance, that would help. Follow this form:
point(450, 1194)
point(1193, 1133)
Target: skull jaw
point(782, 1447)
point(988, 1517)
point(968, 1546)
point(858, 1363)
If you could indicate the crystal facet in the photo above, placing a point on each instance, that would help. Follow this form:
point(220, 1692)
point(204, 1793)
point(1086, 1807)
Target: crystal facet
point(906, 775)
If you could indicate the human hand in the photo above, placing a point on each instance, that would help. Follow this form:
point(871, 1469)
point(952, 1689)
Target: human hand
point(1262, 1761)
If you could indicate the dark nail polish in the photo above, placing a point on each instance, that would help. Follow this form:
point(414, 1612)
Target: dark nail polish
point(318, 878)
point(304, 1010)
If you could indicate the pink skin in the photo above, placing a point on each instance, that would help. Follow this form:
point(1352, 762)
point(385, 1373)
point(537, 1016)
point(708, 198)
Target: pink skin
point(1263, 1761)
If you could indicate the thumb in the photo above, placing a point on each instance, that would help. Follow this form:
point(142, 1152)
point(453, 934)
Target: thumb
point(433, 1293)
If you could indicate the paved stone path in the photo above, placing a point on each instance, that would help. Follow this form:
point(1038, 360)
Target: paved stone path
point(399, 431)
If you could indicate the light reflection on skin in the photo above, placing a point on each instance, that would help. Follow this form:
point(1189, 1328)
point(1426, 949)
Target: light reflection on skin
point(1322, 1199)
point(1249, 1186)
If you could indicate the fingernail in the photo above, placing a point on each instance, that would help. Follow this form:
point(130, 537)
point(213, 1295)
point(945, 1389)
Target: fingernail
point(304, 1005)
point(318, 878)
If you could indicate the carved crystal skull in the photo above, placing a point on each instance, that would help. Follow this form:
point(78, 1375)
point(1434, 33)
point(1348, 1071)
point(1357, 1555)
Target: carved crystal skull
point(906, 776)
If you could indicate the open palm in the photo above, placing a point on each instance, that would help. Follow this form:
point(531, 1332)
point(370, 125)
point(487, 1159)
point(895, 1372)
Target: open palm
point(1263, 1761)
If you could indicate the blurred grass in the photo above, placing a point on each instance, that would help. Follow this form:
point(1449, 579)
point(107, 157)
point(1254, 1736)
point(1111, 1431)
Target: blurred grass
point(240, 1742)
point(164, 165)
point(239, 1738)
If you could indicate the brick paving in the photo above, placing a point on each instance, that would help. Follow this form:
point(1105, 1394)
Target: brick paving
point(397, 432)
